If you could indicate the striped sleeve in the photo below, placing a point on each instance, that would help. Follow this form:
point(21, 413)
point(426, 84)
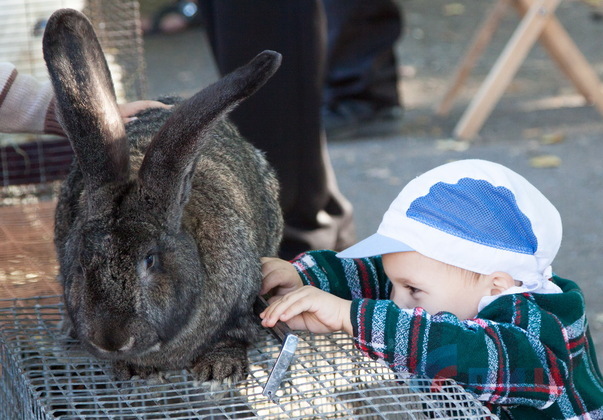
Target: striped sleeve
point(498, 362)
point(344, 277)
point(26, 105)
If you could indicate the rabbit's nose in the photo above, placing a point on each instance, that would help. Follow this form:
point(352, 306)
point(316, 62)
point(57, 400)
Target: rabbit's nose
point(111, 341)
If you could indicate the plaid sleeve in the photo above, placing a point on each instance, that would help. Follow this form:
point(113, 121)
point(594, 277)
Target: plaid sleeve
point(344, 277)
point(499, 362)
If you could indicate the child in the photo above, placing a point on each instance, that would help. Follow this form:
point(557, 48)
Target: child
point(457, 283)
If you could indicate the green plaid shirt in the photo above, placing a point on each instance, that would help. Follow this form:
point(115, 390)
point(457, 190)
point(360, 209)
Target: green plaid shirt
point(525, 356)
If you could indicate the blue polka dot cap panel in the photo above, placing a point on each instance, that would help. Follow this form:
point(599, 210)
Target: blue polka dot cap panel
point(476, 210)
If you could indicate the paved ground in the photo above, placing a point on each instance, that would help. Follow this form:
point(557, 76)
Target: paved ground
point(539, 104)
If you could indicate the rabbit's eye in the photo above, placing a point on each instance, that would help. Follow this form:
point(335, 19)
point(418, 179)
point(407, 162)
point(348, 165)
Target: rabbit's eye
point(150, 261)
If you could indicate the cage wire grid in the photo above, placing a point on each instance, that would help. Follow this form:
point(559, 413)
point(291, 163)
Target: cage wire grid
point(32, 159)
point(46, 375)
point(116, 22)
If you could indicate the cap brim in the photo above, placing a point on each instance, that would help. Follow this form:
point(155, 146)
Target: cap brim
point(374, 245)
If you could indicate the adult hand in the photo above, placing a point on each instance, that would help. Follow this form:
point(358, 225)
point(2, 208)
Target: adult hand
point(128, 110)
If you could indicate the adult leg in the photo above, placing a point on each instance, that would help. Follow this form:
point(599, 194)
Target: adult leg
point(283, 117)
point(361, 82)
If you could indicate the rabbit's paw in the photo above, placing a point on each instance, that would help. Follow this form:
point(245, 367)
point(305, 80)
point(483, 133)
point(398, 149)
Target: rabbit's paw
point(124, 371)
point(224, 364)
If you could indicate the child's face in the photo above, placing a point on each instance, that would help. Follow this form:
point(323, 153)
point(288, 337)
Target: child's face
point(419, 281)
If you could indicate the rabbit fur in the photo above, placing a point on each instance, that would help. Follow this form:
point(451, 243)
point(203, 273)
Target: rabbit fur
point(161, 223)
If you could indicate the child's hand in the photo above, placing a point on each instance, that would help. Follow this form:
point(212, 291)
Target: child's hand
point(312, 309)
point(279, 276)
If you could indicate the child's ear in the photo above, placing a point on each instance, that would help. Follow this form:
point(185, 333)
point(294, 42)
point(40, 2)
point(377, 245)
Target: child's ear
point(499, 282)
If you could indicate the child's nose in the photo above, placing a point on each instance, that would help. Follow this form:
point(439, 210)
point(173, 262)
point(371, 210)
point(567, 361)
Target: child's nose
point(398, 299)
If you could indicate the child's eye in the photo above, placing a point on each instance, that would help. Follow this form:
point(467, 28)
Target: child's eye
point(412, 289)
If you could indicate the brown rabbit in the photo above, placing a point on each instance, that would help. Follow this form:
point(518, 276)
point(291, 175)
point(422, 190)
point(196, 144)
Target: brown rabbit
point(161, 224)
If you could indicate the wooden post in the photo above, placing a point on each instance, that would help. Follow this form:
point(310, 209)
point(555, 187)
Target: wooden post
point(478, 44)
point(505, 68)
point(569, 58)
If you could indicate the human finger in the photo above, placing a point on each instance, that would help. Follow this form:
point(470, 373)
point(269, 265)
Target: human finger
point(279, 274)
point(129, 109)
point(286, 307)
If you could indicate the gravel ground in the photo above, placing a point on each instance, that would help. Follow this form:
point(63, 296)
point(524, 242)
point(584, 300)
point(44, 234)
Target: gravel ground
point(540, 107)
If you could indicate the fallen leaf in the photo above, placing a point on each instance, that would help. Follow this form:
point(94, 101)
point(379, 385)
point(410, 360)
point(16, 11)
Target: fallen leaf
point(454, 9)
point(545, 161)
point(380, 173)
point(552, 138)
point(452, 145)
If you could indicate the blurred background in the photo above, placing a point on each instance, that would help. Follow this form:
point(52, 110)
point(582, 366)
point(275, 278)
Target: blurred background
point(541, 127)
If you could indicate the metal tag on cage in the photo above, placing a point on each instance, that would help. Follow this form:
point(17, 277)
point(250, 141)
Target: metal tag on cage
point(280, 367)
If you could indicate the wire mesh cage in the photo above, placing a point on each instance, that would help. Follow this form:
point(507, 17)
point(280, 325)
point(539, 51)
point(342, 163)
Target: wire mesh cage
point(38, 159)
point(28, 263)
point(47, 375)
point(116, 22)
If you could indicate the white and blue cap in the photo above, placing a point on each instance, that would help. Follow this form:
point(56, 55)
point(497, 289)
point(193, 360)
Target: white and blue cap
point(476, 215)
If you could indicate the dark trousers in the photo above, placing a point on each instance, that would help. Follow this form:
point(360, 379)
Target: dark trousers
point(361, 63)
point(283, 117)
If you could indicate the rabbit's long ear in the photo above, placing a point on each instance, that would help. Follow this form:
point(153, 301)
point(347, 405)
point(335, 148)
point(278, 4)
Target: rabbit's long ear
point(85, 97)
point(170, 159)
